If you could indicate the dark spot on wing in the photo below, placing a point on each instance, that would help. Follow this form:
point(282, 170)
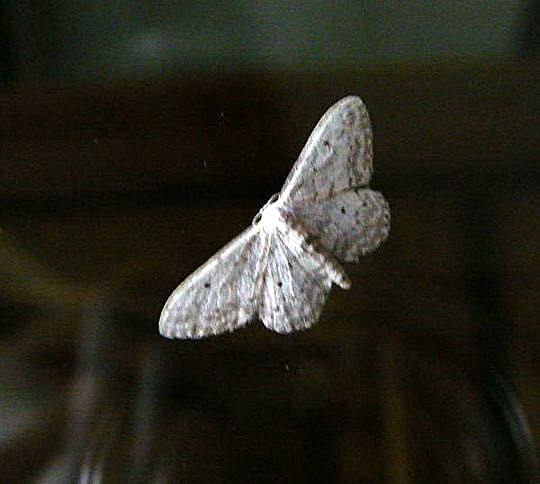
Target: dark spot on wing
point(207, 285)
point(343, 210)
point(364, 204)
point(279, 283)
point(326, 143)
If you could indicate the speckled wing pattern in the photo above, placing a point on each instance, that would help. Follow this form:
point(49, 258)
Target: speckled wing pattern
point(349, 224)
point(283, 266)
point(327, 187)
point(219, 296)
point(295, 286)
point(338, 154)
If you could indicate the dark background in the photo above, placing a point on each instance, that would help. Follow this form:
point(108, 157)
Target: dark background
point(136, 138)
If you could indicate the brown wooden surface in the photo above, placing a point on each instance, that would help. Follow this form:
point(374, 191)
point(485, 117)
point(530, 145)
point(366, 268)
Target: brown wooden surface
point(241, 133)
point(124, 190)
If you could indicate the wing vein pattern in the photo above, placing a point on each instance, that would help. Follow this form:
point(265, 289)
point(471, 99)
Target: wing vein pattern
point(338, 154)
point(222, 294)
point(282, 267)
point(295, 287)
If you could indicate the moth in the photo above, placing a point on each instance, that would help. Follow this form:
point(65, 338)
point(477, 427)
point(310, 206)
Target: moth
point(282, 267)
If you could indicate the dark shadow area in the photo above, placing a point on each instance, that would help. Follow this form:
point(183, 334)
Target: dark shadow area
point(135, 144)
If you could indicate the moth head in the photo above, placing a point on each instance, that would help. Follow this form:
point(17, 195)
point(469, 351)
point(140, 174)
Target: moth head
point(273, 199)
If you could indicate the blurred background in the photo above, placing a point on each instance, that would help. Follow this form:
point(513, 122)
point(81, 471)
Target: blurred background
point(136, 138)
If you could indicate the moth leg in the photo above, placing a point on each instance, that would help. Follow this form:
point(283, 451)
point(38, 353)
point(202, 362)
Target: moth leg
point(333, 267)
point(337, 273)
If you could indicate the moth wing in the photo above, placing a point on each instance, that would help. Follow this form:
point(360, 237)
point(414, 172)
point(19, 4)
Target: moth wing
point(221, 295)
point(349, 224)
point(338, 154)
point(295, 286)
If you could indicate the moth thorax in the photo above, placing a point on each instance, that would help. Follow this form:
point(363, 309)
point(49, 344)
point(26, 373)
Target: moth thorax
point(273, 216)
